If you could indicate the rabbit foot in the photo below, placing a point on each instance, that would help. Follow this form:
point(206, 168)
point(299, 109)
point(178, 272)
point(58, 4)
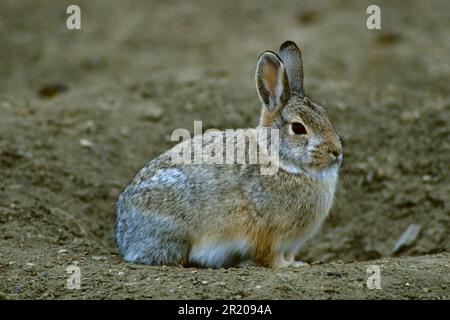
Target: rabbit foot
point(288, 261)
point(299, 264)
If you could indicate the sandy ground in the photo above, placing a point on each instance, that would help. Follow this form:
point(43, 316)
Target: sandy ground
point(82, 111)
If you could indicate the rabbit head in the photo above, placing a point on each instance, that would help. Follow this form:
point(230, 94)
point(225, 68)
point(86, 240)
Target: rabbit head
point(308, 141)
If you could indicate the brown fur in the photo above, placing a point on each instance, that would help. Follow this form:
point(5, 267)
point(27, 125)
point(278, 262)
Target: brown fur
point(216, 215)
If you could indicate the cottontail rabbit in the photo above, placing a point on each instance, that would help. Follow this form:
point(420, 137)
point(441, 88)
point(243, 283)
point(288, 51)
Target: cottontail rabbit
point(223, 215)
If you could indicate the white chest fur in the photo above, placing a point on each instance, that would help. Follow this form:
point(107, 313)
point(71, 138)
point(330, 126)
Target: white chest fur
point(325, 181)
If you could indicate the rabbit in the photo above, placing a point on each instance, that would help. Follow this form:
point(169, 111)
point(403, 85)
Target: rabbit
point(221, 216)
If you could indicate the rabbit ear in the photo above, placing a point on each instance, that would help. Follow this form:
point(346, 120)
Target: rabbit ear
point(272, 81)
point(292, 58)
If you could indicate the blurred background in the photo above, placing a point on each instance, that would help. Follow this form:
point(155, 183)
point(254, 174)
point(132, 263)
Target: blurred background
point(82, 110)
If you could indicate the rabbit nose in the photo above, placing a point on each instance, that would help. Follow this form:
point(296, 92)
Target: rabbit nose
point(337, 156)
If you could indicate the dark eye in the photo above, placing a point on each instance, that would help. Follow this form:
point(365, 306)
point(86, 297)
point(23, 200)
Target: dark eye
point(298, 128)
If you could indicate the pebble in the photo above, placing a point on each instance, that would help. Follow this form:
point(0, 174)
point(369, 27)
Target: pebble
point(204, 282)
point(153, 113)
point(98, 258)
point(6, 104)
point(409, 116)
point(52, 89)
point(125, 131)
point(131, 283)
point(408, 237)
point(85, 143)
point(120, 273)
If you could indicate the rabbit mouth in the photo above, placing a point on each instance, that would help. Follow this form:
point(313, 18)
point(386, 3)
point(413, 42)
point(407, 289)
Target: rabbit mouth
point(313, 167)
point(326, 164)
point(326, 172)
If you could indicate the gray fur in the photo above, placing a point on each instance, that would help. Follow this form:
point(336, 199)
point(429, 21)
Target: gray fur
point(292, 59)
point(222, 215)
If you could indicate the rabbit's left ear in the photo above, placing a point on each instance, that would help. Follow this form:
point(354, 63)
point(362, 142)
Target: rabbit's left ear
point(272, 81)
point(292, 58)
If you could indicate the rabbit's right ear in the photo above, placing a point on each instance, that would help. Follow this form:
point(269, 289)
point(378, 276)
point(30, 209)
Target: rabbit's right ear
point(272, 81)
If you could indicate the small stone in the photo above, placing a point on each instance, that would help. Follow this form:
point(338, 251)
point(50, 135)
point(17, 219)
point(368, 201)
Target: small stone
point(120, 273)
point(52, 89)
point(125, 131)
point(407, 238)
point(62, 250)
point(18, 288)
point(30, 264)
point(153, 113)
point(204, 282)
point(98, 258)
point(130, 283)
point(6, 104)
point(258, 287)
point(409, 116)
point(85, 143)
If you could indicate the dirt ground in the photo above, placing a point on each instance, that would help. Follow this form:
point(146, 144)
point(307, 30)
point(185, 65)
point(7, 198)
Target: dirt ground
point(81, 111)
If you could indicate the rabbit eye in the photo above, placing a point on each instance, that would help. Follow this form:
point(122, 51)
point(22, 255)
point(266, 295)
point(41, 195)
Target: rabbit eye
point(298, 128)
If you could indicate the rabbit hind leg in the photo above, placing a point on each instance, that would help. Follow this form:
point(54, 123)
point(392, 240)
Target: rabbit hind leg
point(150, 239)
